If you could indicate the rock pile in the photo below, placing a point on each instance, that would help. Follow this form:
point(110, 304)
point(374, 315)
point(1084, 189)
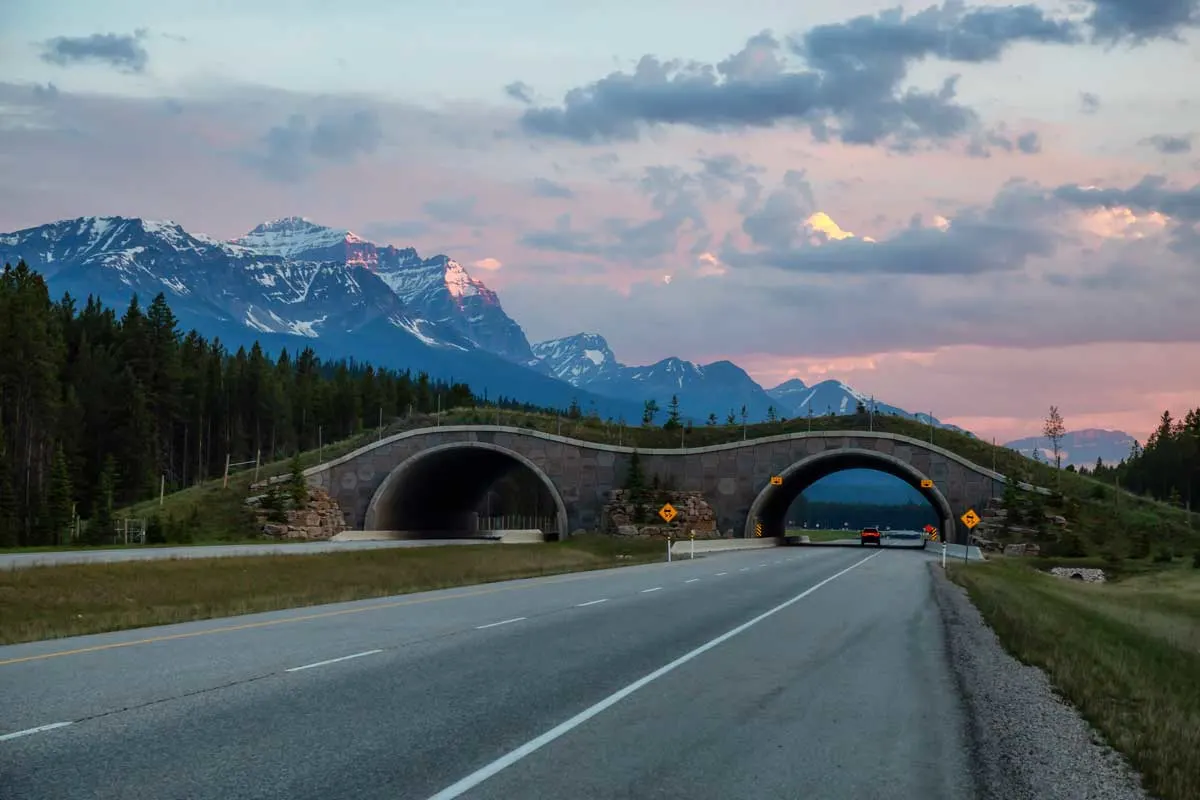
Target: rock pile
point(694, 514)
point(319, 518)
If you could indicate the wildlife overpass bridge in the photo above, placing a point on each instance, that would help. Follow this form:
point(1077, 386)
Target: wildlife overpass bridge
point(441, 479)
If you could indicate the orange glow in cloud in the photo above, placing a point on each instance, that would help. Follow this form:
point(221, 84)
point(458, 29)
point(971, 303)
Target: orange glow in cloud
point(823, 223)
point(1122, 223)
point(489, 264)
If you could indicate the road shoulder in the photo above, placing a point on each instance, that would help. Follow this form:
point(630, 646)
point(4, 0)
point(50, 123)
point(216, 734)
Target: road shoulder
point(1026, 742)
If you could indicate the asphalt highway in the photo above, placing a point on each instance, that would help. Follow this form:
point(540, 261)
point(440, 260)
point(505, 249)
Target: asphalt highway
point(781, 673)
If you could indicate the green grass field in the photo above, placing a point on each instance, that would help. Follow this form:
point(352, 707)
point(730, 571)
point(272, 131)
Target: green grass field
point(47, 602)
point(1126, 654)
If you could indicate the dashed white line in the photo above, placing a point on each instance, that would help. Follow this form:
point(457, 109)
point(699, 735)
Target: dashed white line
point(743, 569)
point(655, 589)
point(763, 564)
point(335, 660)
point(722, 573)
point(513, 756)
point(692, 580)
point(38, 729)
point(501, 622)
point(592, 602)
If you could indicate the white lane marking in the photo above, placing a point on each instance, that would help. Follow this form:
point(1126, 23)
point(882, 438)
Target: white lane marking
point(763, 564)
point(38, 729)
point(513, 756)
point(743, 569)
point(722, 573)
point(655, 589)
point(592, 602)
point(501, 622)
point(692, 580)
point(335, 660)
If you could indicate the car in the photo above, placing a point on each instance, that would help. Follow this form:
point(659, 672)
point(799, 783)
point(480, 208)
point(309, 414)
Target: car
point(870, 536)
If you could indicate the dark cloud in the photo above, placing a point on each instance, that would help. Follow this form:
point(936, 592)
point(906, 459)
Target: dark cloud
point(850, 88)
point(1170, 145)
point(675, 196)
point(1151, 193)
point(1029, 142)
point(397, 229)
point(288, 150)
point(543, 187)
point(123, 51)
point(453, 210)
point(998, 238)
point(1139, 21)
point(521, 91)
point(1089, 103)
point(777, 223)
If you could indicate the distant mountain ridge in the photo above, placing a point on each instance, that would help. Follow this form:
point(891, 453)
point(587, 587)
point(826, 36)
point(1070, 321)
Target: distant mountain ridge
point(1079, 448)
point(291, 282)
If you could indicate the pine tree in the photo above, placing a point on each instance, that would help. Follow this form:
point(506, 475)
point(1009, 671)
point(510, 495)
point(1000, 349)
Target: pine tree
point(635, 484)
point(649, 410)
point(712, 420)
point(772, 416)
point(100, 525)
point(59, 506)
point(297, 485)
point(673, 419)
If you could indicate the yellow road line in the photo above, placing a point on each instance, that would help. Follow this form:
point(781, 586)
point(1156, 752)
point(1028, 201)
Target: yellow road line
point(274, 622)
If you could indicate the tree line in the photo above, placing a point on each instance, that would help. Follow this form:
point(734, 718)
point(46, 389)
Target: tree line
point(1168, 466)
point(98, 411)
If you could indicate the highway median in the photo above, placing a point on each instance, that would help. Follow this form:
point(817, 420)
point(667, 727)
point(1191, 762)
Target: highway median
point(48, 602)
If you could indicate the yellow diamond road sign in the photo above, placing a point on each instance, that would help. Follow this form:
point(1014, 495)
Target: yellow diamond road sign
point(927, 484)
point(970, 519)
point(668, 512)
point(777, 480)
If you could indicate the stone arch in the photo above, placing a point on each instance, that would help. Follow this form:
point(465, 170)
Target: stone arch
point(771, 504)
point(454, 476)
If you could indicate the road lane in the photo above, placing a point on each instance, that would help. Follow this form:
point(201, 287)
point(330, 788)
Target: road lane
point(439, 698)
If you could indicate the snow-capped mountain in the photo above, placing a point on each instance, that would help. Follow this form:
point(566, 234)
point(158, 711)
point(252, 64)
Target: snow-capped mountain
point(586, 360)
point(291, 278)
point(1080, 448)
point(835, 397)
point(722, 387)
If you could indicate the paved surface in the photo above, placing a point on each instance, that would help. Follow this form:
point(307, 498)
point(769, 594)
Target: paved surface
point(17, 560)
point(783, 673)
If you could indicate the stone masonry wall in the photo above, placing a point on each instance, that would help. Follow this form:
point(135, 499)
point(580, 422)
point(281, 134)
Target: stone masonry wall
point(320, 518)
point(584, 474)
point(694, 514)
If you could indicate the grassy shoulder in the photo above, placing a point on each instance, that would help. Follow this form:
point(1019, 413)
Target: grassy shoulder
point(48, 602)
point(1125, 653)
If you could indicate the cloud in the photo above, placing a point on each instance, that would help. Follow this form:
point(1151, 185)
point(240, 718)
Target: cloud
point(1150, 194)
point(548, 188)
point(123, 51)
point(520, 91)
point(287, 152)
point(1089, 103)
point(1170, 145)
point(399, 229)
point(487, 264)
point(454, 210)
point(1139, 21)
point(850, 86)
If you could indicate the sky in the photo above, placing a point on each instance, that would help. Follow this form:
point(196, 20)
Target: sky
point(980, 210)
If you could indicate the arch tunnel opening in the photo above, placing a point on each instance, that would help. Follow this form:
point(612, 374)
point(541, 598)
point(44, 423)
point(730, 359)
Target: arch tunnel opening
point(862, 487)
point(468, 490)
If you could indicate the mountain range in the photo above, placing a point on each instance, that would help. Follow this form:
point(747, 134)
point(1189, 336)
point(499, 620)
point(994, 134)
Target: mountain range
point(1080, 448)
point(291, 283)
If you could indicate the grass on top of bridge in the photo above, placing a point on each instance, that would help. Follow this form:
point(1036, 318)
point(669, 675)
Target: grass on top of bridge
point(48, 602)
point(1126, 654)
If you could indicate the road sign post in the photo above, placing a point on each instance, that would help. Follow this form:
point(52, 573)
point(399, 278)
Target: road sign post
point(693, 544)
point(943, 555)
point(668, 513)
point(970, 519)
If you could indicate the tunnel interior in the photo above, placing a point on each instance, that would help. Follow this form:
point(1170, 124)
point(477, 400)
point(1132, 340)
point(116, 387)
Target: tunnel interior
point(465, 491)
point(780, 505)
